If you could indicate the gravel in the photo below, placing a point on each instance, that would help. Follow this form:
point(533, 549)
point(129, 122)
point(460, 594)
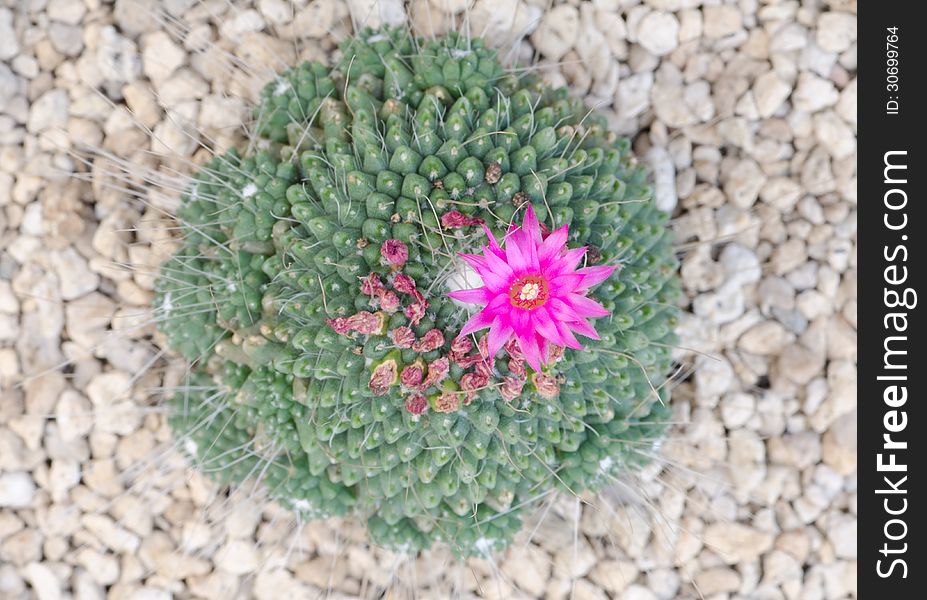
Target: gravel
point(745, 112)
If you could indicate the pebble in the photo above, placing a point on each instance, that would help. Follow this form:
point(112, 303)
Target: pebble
point(736, 542)
point(558, 31)
point(770, 92)
point(49, 111)
point(238, 557)
point(43, 580)
point(836, 31)
point(17, 489)
point(117, 56)
point(658, 33)
point(9, 42)
point(721, 21)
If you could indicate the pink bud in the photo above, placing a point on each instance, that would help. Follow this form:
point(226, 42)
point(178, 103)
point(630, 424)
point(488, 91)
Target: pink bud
point(394, 252)
point(365, 322)
point(403, 337)
point(389, 301)
point(416, 404)
point(432, 340)
point(371, 285)
point(416, 311)
point(471, 383)
point(404, 284)
point(437, 372)
point(339, 324)
point(456, 219)
point(411, 376)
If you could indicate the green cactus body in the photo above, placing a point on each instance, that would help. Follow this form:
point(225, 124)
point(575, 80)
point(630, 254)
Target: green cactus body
point(316, 366)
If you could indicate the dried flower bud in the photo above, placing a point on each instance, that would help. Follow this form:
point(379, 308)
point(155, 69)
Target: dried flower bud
point(402, 336)
point(404, 284)
point(493, 172)
point(416, 404)
point(437, 372)
point(383, 377)
point(546, 386)
point(394, 252)
point(432, 340)
point(471, 383)
point(416, 311)
point(389, 301)
point(456, 219)
point(412, 376)
point(448, 401)
point(511, 388)
point(371, 285)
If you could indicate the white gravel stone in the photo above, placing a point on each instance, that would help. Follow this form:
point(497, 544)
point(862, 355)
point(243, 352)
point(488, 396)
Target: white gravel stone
point(836, 31)
point(49, 111)
point(557, 32)
point(117, 56)
point(664, 178)
point(658, 33)
point(770, 91)
point(721, 21)
point(9, 42)
point(43, 580)
point(238, 557)
point(16, 490)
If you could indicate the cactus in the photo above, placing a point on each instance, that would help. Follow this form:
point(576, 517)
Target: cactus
point(322, 293)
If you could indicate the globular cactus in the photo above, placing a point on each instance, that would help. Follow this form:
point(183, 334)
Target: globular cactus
point(327, 291)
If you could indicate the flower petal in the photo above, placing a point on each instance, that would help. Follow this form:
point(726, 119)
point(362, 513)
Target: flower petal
point(595, 275)
point(586, 307)
point(570, 340)
point(583, 327)
point(554, 243)
point(480, 320)
point(567, 262)
point(531, 225)
point(475, 296)
point(545, 325)
point(499, 334)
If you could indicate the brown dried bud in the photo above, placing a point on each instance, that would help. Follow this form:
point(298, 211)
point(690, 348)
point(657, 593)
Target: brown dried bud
point(493, 172)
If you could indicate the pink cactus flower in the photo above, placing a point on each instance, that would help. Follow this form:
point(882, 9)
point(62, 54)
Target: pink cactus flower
point(432, 340)
point(394, 252)
point(416, 404)
point(533, 292)
point(403, 337)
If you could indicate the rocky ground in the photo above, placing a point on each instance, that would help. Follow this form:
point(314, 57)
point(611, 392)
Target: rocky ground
point(745, 110)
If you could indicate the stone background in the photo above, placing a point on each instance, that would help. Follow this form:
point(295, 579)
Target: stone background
point(746, 111)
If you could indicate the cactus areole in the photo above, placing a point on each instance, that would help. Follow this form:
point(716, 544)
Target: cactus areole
point(434, 293)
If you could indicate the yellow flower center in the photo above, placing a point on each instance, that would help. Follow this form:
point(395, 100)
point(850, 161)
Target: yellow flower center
point(529, 292)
